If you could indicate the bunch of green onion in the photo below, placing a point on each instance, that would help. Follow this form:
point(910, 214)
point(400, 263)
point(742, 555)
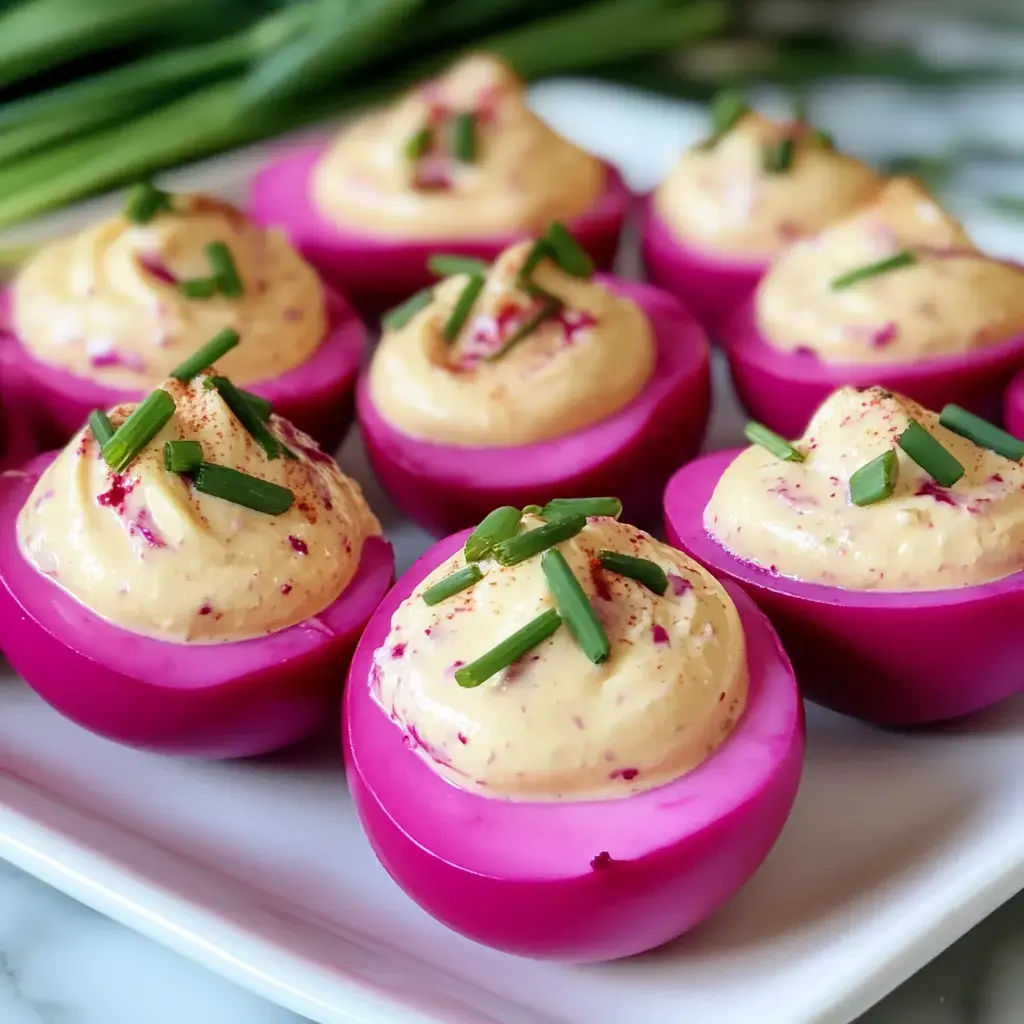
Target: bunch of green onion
point(97, 93)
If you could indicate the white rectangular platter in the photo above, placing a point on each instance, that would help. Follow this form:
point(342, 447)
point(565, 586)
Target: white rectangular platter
point(899, 843)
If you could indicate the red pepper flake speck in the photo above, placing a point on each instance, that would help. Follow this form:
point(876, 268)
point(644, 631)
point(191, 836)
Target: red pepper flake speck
point(602, 861)
point(115, 497)
point(286, 588)
point(298, 544)
point(398, 650)
point(659, 633)
point(628, 774)
point(462, 739)
point(205, 609)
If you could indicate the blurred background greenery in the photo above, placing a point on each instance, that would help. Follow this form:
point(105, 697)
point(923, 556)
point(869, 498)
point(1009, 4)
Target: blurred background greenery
point(94, 93)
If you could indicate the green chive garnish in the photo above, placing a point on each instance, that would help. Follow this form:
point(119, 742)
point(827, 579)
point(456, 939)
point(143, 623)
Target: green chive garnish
point(418, 143)
point(823, 139)
point(248, 417)
point(546, 312)
point(446, 264)
point(981, 432)
point(930, 455)
point(525, 545)
point(138, 430)
point(219, 345)
point(198, 287)
point(567, 252)
point(145, 201)
point(643, 570)
point(182, 456)
point(532, 510)
point(574, 606)
point(243, 489)
point(399, 316)
point(758, 433)
point(900, 259)
point(559, 508)
point(224, 270)
point(464, 138)
point(727, 107)
point(538, 251)
point(495, 527)
point(463, 307)
point(511, 649)
point(260, 405)
point(101, 427)
point(454, 584)
point(875, 480)
point(777, 157)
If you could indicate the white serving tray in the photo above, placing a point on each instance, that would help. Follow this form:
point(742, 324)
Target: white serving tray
point(898, 844)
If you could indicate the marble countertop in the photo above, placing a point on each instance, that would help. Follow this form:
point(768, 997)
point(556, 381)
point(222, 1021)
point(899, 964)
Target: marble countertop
point(61, 963)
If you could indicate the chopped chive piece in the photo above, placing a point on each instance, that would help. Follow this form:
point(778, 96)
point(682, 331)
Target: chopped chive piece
point(532, 510)
point(823, 139)
point(182, 456)
point(777, 157)
point(900, 259)
point(454, 584)
point(574, 606)
point(567, 252)
point(224, 270)
point(643, 570)
point(511, 649)
point(243, 489)
point(727, 107)
point(198, 287)
point(559, 508)
point(219, 345)
point(447, 264)
point(463, 307)
point(875, 480)
point(145, 201)
point(758, 433)
point(464, 138)
point(981, 432)
point(930, 455)
point(525, 545)
point(418, 143)
point(399, 316)
point(138, 430)
point(495, 527)
point(546, 312)
point(101, 427)
point(538, 251)
point(248, 417)
point(261, 406)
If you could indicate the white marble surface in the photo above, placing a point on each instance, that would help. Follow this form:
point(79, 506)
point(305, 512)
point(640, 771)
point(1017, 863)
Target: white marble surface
point(61, 963)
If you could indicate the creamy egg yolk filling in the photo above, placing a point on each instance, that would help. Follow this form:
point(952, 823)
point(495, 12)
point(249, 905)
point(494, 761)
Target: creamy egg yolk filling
point(460, 156)
point(896, 280)
point(126, 300)
point(956, 521)
point(517, 353)
point(752, 189)
point(559, 720)
point(162, 554)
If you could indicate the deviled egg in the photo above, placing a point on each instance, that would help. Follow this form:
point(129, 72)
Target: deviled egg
point(458, 163)
point(187, 577)
point(566, 739)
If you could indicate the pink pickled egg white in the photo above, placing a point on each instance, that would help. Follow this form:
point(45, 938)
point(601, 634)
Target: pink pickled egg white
point(712, 286)
point(783, 390)
point(1013, 406)
point(317, 396)
point(630, 454)
point(377, 272)
point(17, 443)
point(201, 700)
point(568, 880)
point(894, 658)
